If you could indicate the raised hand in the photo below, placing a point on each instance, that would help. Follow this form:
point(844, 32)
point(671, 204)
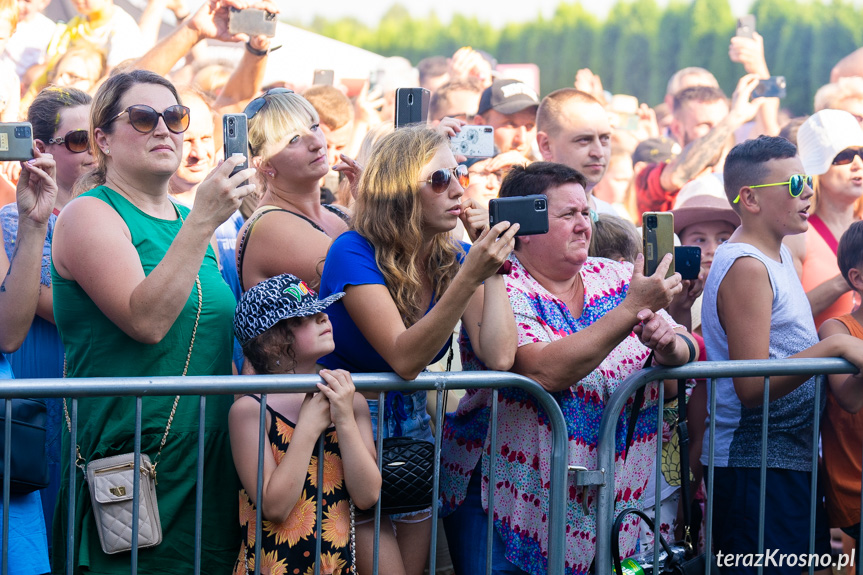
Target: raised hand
point(37, 188)
point(474, 218)
point(352, 171)
point(651, 292)
point(220, 194)
point(489, 251)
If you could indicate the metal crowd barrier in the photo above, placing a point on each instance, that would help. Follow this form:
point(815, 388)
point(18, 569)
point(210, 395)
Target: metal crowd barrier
point(224, 385)
point(603, 476)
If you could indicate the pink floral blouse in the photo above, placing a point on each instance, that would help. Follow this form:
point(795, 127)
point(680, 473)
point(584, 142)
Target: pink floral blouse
point(522, 465)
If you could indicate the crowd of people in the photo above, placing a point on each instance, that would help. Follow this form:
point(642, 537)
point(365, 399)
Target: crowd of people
point(350, 246)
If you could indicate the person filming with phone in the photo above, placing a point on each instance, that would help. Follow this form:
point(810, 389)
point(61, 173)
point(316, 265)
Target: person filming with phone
point(584, 325)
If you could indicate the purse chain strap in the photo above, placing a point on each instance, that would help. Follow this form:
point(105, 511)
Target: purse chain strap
point(80, 461)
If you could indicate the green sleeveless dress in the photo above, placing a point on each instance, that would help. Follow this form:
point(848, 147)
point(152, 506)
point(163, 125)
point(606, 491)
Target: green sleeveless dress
point(96, 347)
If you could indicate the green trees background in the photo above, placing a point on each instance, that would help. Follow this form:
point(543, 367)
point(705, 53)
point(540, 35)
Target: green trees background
point(637, 47)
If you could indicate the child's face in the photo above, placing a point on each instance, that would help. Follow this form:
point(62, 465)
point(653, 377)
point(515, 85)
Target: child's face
point(708, 236)
point(313, 338)
point(778, 210)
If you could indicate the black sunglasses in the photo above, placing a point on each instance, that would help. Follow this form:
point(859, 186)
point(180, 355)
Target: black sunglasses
point(258, 103)
point(145, 119)
point(439, 180)
point(76, 141)
point(846, 156)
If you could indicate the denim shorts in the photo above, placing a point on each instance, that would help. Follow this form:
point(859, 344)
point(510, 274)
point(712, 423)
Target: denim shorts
point(409, 412)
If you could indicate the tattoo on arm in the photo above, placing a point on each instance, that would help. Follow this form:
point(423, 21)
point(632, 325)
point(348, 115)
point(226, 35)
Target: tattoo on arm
point(9, 271)
point(699, 154)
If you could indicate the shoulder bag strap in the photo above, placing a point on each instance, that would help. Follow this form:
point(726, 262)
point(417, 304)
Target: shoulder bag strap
point(824, 232)
point(615, 535)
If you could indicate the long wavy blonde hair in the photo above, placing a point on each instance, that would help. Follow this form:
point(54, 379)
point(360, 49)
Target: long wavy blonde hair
point(389, 215)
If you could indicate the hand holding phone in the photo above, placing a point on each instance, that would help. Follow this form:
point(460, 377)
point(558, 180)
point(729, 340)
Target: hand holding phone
point(252, 22)
point(16, 141)
point(530, 212)
point(658, 233)
point(235, 138)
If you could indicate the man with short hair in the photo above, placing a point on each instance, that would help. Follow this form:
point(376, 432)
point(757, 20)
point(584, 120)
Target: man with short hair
point(433, 72)
point(459, 99)
point(704, 125)
point(573, 129)
point(688, 78)
point(509, 106)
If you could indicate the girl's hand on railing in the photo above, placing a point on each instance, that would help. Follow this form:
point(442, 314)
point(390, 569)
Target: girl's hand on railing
point(339, 390)
point(314, 414)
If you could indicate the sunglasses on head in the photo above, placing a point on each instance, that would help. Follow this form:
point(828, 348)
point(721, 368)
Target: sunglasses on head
point(258, 103)
point(145, 119)
point(846, 156)
point(439, 180)
point(795, 185)
point(76, 141)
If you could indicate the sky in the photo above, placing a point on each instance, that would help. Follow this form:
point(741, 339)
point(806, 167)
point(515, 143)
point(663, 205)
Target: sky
point(370, 11)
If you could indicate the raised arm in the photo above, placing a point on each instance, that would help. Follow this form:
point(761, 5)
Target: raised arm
point(93, 247)
point(210, 21)
point(409, 350)
point(706, 151)
point(556, 365)
point(19, 292)
point(285, 478)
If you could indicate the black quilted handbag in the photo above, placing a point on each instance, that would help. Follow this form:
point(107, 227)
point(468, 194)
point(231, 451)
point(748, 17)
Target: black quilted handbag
point(408, 474)
point(29, 465)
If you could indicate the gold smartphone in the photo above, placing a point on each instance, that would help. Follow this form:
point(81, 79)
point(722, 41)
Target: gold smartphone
point(658, 232)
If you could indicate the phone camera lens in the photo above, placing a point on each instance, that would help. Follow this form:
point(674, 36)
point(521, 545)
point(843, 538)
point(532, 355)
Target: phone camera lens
point(539, 205)
point(410, 99)
point(651, 221)
point(22, 132)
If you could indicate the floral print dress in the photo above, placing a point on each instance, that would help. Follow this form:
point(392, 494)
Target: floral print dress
point(288, 548)
point(523, 462)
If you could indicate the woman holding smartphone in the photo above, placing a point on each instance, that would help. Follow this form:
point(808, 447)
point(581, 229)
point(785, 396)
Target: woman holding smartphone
point(138, 292)
point(291, 231)
point(407, 283)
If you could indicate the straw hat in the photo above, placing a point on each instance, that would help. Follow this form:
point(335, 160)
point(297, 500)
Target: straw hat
point(703, 200)
point(825, 134)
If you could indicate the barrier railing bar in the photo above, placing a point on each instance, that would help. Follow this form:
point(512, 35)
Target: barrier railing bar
point(711, 370)
point(259, 488)
point(136, 483)
point(436, 479)
point(762, 492)
point(230, 385)
point(379, 446)
point(199, 488)
point(7, 482)
point(711, 451)
point(657, 501)
point(816, 428)
point(73, 471)
point(319, 504)
point(492, 480)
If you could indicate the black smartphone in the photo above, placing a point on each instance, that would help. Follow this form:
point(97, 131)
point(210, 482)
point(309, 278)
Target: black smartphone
point(323, 78)
point(412, 106)
point(687, 261)
point(658, 232)
point(235, 138)
point(252, 22)
point(16, 141)
point(772, 87)
point(746, 26)
point(530, 212)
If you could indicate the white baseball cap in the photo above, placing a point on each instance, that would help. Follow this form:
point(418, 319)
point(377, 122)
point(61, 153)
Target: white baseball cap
point(825, 134)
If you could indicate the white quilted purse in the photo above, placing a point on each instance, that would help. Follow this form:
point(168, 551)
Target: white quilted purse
point(110, 480)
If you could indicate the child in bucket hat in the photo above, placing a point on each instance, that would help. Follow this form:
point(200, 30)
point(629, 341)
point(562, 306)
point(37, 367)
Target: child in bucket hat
point(282, 327)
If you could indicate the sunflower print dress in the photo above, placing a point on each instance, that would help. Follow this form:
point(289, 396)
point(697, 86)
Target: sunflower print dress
point(288, 548)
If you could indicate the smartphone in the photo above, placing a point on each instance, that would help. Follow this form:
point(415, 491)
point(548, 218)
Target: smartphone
point(235, 138)
point(772, 87)
point(473, 142)
point(687, 261)
point(658, 232)
point(16, 141)
point(323, 78)
point(252, 22)
point(745, 26)
point(412, 106)
point(530, 212)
